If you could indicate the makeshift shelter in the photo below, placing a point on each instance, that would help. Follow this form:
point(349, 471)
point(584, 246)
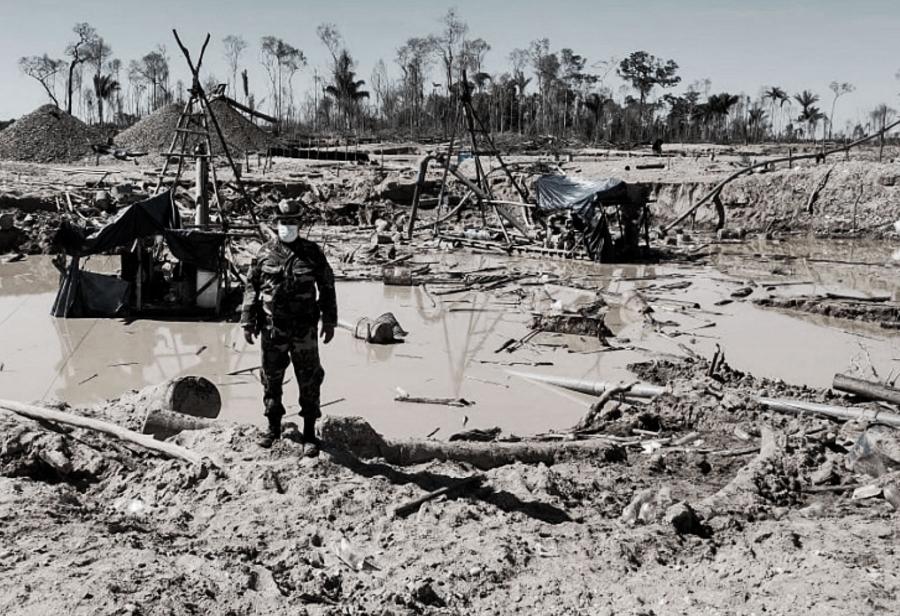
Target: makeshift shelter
point(193, 281)
point(608, 214)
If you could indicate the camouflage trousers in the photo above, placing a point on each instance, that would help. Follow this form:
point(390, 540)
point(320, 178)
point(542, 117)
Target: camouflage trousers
point(300, 348)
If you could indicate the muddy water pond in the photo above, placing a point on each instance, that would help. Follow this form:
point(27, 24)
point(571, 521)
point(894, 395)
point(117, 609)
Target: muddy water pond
point(450, 351)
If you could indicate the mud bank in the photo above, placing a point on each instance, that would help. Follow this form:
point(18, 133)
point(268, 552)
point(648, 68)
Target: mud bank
point(856, 196)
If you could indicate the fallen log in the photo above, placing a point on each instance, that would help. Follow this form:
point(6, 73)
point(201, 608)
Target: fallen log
point(865, 389)
point(38, 413)
point(793, 407)
point(357, 436)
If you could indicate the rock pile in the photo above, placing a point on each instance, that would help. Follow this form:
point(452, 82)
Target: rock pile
point(153, 134)
point(47, 134)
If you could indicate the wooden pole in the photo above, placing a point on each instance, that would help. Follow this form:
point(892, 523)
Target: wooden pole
point(201, 192)
point(865, 389)
point(420, 186)
point(795, 407)
point(38, 413)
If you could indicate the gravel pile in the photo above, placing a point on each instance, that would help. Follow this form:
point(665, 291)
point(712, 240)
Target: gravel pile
point(153, 134)
point(47, 134)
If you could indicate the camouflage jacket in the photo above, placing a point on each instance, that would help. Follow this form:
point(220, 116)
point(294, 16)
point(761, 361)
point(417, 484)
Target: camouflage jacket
point(281, 288)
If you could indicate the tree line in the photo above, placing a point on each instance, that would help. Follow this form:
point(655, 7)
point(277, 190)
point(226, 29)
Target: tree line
point(542, 92)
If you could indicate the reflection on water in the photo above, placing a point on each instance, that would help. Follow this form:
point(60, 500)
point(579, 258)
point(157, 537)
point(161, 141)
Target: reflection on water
point(450, 351)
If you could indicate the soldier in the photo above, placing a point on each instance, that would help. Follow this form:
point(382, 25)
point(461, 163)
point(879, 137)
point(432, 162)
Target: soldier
point(281, 307)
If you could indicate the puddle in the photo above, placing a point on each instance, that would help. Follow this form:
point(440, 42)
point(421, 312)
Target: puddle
point(86, 360)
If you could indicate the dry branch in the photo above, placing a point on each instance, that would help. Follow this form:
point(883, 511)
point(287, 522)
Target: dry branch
point(37, 413)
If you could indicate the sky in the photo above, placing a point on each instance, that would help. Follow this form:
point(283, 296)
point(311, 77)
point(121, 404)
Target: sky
point(741, 46)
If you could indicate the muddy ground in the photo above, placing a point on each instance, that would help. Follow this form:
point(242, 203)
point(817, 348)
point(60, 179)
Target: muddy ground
point(92, 526)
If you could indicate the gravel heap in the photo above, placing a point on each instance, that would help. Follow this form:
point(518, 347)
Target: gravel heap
point(47, 134)
point(153, 134)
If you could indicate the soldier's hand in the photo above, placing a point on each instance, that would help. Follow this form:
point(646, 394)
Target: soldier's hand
point(248, 336)
point(327, 333)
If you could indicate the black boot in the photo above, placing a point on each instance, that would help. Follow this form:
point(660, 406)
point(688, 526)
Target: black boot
point(272, 434)
point(310, 442)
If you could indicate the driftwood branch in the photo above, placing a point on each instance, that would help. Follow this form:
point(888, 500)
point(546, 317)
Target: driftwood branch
point(38, 413)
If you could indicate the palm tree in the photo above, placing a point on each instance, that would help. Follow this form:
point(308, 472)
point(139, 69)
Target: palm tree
point(520, 82)
point(776, 95)
point(104, 89)
point(346, 88)
point(719, 106)
point(757, 116)
point(811, 116)
point(596, 103)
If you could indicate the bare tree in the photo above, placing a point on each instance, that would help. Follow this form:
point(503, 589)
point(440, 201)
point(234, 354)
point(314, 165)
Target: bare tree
point(281, 61)
point(839, 89)
point(414, 59)
point(472, 55)
point(331, 38)
point(881, 115)
point(78, 54)
point(449, 44)
point(381, 86)
point(234, 47)
point(153, 70)
point(44, 70)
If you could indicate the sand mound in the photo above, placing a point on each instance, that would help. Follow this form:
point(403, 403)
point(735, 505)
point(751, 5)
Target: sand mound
point(153, 134)
point(47, 134)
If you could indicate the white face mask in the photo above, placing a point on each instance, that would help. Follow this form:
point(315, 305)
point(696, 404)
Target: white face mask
point(287, 233)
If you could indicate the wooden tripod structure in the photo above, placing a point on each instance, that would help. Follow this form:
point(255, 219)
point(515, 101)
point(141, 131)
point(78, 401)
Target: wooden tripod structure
point(193, 129)
point(480, 187)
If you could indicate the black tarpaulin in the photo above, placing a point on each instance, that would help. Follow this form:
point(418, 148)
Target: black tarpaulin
point(150, 217)
point(155, 216)
point(88, 294)
point(584, 199)
point(561, 192)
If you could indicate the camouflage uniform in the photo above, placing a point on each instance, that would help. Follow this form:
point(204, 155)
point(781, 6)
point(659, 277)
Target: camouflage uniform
point(280, 305)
